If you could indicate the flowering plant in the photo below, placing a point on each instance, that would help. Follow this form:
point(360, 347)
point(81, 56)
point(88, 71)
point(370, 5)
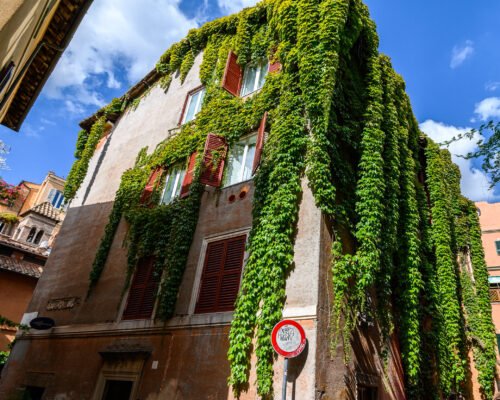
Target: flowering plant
point(8, 193)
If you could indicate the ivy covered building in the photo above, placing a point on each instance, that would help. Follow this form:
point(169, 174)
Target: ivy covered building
point(270, 166)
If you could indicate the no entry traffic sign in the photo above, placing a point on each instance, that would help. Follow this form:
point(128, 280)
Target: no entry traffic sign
point(288, 338)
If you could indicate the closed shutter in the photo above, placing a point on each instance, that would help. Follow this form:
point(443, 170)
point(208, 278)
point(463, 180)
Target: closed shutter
point(275, 67)
point(213, 160)
point(153, 181)
point(260, 143)
point(220, 281)
point(188, 178)
point(142, 294)
point(233, 75)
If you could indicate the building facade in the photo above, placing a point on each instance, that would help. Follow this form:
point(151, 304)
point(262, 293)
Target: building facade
point(34, 218)
point(33, 35)
point(489, 215)
point(20, 268)
point(194, 226)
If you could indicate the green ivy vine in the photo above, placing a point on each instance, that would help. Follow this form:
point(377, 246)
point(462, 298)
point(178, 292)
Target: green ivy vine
point(339, 117)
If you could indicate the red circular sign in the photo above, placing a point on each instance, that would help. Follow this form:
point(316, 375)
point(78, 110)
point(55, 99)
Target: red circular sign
point(289, 338)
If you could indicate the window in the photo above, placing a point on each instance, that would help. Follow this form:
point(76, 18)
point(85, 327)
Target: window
point(367, 393)
point(116, 389)
point(173, 183)
point(497, 245)
point(254, 77)
point(142, 294)
point(220, 280)
point(38, 237)
point(56, 198)
point(31, 235)
point(240, 160)
point(193, 105)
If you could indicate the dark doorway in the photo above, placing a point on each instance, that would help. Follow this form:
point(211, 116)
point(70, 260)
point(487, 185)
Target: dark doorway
point(33, 393)
point(117, 390)
point(367, 393)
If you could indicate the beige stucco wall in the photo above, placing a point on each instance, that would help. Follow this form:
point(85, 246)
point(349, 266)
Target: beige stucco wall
point(21, 29)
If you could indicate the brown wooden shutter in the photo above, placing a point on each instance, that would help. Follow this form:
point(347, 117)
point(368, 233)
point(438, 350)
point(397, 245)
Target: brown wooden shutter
point(153, 181)
point(274, 67)
point(142, 294)
point(233, 75)
point(213, 160)
point(188, 178)
point(220, 281)
point(260, 143)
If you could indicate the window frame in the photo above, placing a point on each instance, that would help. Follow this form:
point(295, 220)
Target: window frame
point(245, 154)
point(201, 263)
point(187, 103)
point(259, 66)
point(179, 179)
point(497, 246)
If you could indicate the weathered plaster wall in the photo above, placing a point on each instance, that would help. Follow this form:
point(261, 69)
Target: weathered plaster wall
point(15, 294)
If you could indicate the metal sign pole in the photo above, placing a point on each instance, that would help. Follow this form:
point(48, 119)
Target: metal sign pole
point(285, 377)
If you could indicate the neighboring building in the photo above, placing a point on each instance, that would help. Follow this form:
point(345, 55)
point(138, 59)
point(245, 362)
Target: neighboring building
point(35, 217)
point(20, 268)
point(33, 35)
point(109, 341)
point(489, 215)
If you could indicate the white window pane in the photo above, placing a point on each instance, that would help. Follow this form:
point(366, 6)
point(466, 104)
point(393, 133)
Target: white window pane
point(240, 161)
point(249, 80)
point(263, 72)
point(200, 100)
point(178, 187)
point(173, 184)
point(191, 108)
point(251, 143)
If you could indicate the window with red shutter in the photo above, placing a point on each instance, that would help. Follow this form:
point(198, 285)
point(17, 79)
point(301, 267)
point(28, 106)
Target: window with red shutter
point(142, 294)
point(153, 182)
point(260, 143)
point(188, 178)
point(213, 160)
point(233, 74)
point(220, 280)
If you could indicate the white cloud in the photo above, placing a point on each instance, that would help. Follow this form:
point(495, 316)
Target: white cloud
point(232, 6)
point(488, 108)
point(460, 53)
point(492, 86)
point(115, 35)
point(474, 182)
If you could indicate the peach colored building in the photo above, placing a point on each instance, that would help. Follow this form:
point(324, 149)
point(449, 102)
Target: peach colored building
point(489, 216)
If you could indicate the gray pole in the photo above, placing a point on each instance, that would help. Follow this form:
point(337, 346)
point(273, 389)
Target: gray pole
point(285, 377)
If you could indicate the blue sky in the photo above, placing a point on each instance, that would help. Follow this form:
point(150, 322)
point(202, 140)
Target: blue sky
point(447, 52)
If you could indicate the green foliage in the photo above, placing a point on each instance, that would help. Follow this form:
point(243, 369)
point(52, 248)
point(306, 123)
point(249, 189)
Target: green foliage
point(83, 155)
point(339, 115)
point(4, 355)
point(9, 218)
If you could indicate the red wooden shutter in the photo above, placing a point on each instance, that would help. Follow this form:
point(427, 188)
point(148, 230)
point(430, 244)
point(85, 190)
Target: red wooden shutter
point(260, 143)
point(220, 281)
point(212, 174)
point(233, 75)
point(188, 178)
point(274, 67)
point(153, 181)
point(141, 298)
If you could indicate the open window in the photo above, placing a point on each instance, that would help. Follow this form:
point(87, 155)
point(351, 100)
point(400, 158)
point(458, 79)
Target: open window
point(31, 235)
point(220, 279)
point(38, 237)
point(241, 82)
point(192, 105)
point(173, 183)
point(244, 156)
point(5, 75)
point(254, 77)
